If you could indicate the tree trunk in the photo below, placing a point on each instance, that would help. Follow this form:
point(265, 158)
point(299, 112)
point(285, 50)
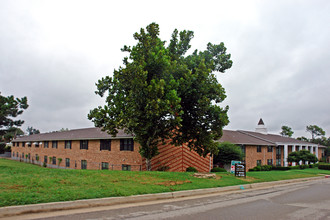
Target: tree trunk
point(148, 164)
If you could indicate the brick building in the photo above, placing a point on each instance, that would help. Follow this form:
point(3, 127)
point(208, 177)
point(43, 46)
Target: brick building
point(91, 148)
point(261, 148)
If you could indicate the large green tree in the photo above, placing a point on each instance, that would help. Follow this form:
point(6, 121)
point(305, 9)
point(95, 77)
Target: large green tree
point(315, 131)
point(162, 94)
point(286, 131)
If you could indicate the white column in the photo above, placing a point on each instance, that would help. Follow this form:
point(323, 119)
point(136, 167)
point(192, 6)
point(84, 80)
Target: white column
point(293, 150)
point(299, 149)
point(311, 149)
point(285, 159)
point(317, 152)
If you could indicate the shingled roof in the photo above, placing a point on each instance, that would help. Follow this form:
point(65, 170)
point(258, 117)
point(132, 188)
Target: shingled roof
point(76, 134)
point(256, 138)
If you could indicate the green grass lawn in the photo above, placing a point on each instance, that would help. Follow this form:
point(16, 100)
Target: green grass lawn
point(22, 183)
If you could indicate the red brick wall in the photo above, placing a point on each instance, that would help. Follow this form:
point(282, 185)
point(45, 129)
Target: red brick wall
point(179, 158)
point(176, 158)
point(251, 156)
point(94, 156)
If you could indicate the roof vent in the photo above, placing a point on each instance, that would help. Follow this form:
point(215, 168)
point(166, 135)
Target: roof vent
point(261, 128)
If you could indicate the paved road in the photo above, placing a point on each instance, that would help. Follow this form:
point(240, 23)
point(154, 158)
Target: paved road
point(308, 200)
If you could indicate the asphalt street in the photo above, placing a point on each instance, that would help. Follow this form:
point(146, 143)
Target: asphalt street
point(306, 200)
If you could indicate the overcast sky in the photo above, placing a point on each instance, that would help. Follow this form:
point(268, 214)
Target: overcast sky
point(54, 52)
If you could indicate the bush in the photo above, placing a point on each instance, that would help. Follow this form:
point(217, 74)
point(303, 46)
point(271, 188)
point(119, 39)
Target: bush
point(281, 168)
point(44, 164)
point(191, 169)
point(262, 168)
point(163, 168)
point(295, 167)
point(218, 169)
point(324, 166)
point(304, 166)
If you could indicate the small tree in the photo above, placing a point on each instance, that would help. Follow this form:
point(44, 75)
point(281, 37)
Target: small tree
point(10, 108)
point(302, 155)
point(315, 131)
point(302, 138)
point(59, 160)
point(227, 153)
point(286, 131)
point(31, 130)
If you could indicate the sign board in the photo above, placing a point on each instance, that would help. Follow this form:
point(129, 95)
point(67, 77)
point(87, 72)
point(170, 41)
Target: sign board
point(232, 167)
point(240, 170)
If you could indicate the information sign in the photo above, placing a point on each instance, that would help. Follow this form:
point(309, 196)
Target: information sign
point(240, 170)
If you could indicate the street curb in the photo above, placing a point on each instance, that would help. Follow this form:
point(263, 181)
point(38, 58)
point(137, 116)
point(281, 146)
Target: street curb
point(87, 203)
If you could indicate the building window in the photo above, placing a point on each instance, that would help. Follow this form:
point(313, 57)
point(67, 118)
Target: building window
point(269, 161)
point(54, 144)
point(23, 155)
point(278, 162)
point(67, 162)
point(67, 145)
point(45, 159)
point(46, 143)
point(36, 144)
point(13, 144)
point(23, 144)
point(270, 148)
point(13, 154)
point(105, 144)
point(29, 144)
point(126, 167)
point(17, 144)
point(127, 144)
point(242, 148)
point(54, 160)
point(29, 156)
point(258, 162)
point(105, 166)
point(259, 148)
point(16, 154)
point(83, 164)
point(84, 144)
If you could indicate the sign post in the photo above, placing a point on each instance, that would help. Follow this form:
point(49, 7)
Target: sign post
point(240, 170)
point(232, 167)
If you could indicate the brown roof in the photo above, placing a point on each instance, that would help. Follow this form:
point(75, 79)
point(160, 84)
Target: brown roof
point(237, 137)
point(77, 134)
point(255, 138)
point(276, 138)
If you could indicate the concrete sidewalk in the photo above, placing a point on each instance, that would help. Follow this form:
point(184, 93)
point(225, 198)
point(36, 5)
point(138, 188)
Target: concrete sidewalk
point(87, 203)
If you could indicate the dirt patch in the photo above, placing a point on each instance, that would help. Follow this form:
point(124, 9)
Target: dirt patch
point(247, 179)
point(173, 183)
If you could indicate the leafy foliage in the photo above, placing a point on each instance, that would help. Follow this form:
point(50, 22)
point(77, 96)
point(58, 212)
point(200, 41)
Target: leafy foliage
point(31, 130)
point(161, 94)
point(191, 169)
point(227, 153)
point(302, 155)
point(286, 131)
point(315, 131)
point(218, 169)
point(10, 108)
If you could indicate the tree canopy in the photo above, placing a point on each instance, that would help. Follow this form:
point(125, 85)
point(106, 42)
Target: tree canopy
point(161, 94)
point(11, 107)
point(31, 130)
point(315, 131)
point(302, 155)
point(286, 131)
point(227, 153)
